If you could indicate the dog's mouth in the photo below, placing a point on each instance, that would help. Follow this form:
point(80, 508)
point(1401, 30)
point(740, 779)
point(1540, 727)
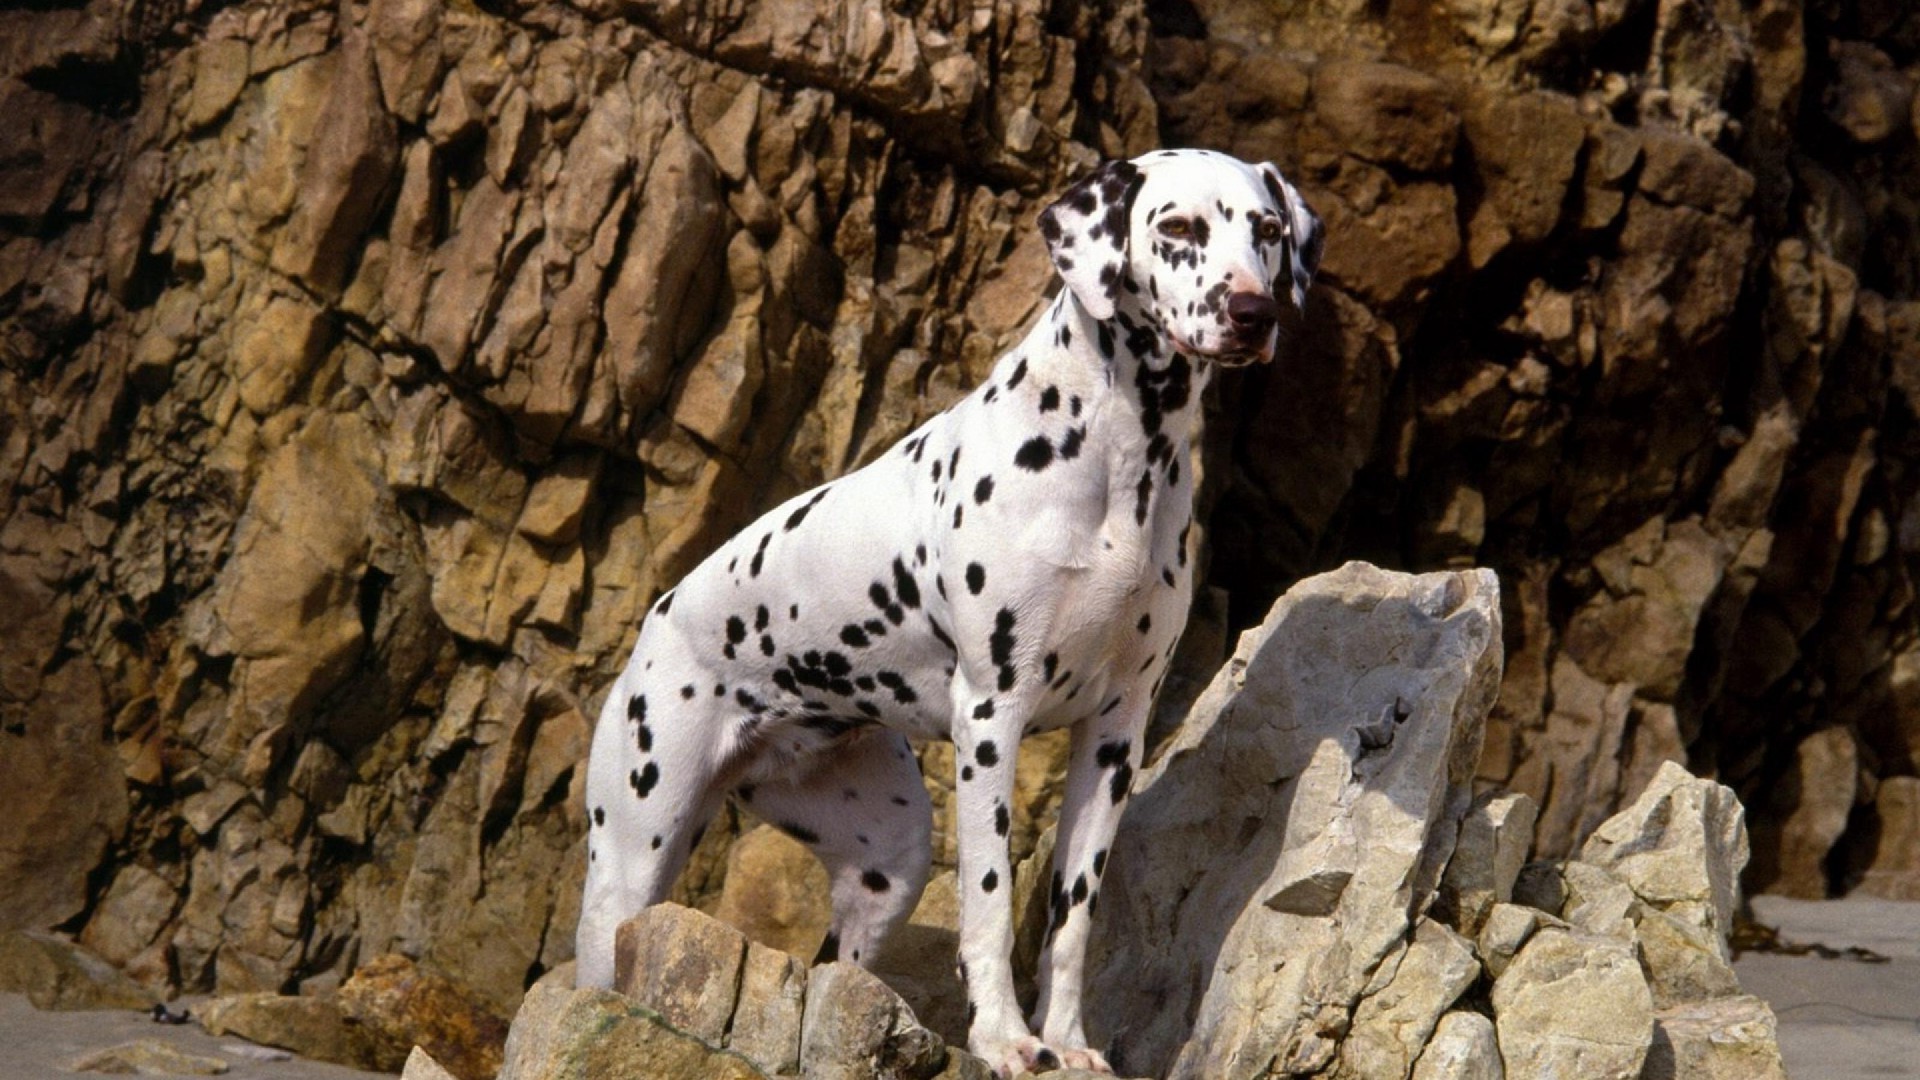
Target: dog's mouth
point(1234, 355)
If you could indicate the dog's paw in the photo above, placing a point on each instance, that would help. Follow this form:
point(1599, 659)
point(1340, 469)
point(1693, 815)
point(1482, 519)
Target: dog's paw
point(1090, 1060)
point(1018, 1057)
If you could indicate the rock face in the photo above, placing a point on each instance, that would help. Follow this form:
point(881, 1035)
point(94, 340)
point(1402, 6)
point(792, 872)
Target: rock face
point(1286, 897)
point(366, 371)
point(1336, 778)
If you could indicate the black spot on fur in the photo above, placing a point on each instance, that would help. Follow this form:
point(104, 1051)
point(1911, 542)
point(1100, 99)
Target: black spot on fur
point(904, 587)
point(976, 578)
point(799, 515)
point(854, 636)
point(875, 881)
point(643, 780)
point(1050, 399)
point(983, 490)
point(986, 754)
point(1019, 374)
point(1002, 821)
point(1035, 454)
point(984, 710)
point(990, 882)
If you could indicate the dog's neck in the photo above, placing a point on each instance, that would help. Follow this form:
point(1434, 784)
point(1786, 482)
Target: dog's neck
point(1152, 384)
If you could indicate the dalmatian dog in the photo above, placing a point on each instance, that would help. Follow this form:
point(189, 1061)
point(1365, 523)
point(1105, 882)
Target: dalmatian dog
point(1019, 563)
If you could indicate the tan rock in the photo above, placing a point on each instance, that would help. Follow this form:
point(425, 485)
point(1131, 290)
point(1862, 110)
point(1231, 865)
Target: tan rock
point(1573, 1004)
point(1463, 1047)
point(404, 1008)
point(1734, 1038)
point(566, 1034)
point(421, 1066)
point(54, 973)
point(1392, 1023)
point(1493, 844)
point(309, 1026)
point(855, 1028)
point(684, 966)
point(1387, 113)
point(776, 892)
point(1505, 932)
point(147, 1057)
point(1894, 869)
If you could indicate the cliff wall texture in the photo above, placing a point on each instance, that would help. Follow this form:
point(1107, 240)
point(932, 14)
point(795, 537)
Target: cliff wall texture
point(366, 370)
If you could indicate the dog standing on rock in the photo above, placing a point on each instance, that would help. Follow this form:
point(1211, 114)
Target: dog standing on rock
point(1019, 563)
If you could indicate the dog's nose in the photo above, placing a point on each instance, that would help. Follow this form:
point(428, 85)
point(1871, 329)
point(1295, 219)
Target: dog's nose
point(1252, 313)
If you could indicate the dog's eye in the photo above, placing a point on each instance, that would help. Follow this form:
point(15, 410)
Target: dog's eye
point(1270, 231)
point(1176, 227)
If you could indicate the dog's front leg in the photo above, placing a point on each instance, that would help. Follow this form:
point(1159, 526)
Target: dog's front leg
point(986, 737)
point(1106, 751)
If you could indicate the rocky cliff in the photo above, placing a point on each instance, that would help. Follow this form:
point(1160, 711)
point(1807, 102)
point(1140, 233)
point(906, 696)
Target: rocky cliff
point(366, 369)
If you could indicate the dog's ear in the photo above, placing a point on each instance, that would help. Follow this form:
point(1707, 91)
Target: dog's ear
point(1086, 232)
point(1300, 259)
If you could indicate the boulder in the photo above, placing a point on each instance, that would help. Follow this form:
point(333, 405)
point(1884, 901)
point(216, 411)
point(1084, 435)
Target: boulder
point(405, 1008)
point(1462, 1048)
point(312, 1027)
point(55, 973)
point(1332, 757)
point(566, 1034)
point(1574, 1005)
point(706, 981)
point(1893, 870)
point(1734, 1038)
point(147, 1057)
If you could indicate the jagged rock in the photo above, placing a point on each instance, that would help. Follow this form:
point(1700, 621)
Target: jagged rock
point(1393, 1022)
point(312, 1027)
point(1506, 930)
point(421, 1066)
point(1487, 858)
point(566, 1034)
point(1462, 1048)
point(707, 981)
point(147, 1057)
point(1680, 847)
point(404, 1008)
point(855, 1027)
point(1333, 756)
point(1573, 1004)
point(55, 973)
point(1733, 1038)
point(776, 892)
point(1893, 871)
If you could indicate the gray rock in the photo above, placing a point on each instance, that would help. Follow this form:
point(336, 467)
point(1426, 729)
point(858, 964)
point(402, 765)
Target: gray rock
point(147, 1057)
point(1337, 743)
point(1392, 1023)
point(1574, 1006)
point(856, 1028)
point(565, 1034)
point(55, 973)
point(1487, 858)
point(1735, 1038)
point(1463, 1047)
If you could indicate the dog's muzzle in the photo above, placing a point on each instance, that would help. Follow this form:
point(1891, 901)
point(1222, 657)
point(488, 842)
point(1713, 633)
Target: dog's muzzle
point(1251, 318)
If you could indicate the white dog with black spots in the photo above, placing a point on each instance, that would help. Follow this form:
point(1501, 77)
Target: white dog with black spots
point(1019, 563)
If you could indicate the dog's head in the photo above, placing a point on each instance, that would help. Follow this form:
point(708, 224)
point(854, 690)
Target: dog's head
point(1205, 247)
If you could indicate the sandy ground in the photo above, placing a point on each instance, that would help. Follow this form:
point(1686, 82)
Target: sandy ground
point(37, 1045)
point(1840, 1019)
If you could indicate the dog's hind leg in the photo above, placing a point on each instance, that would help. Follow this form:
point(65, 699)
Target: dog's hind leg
point(653, 783)
point(864, 812)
